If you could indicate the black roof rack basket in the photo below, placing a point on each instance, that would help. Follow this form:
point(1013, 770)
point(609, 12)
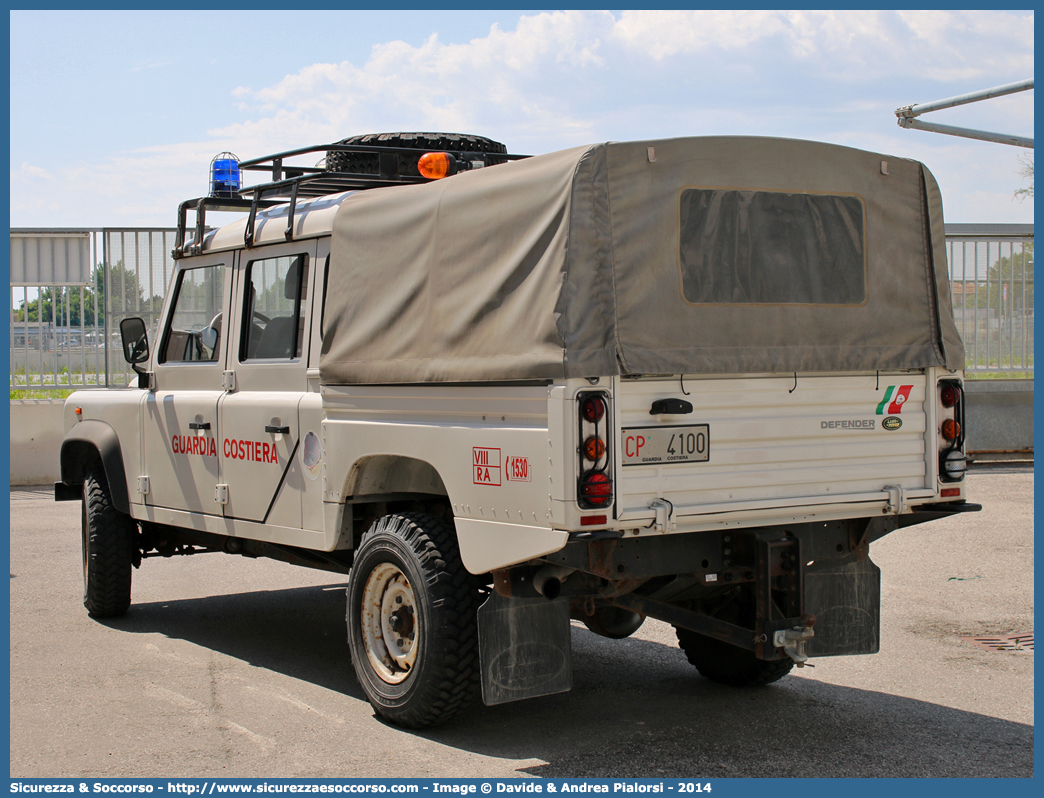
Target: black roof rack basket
point(288, 183)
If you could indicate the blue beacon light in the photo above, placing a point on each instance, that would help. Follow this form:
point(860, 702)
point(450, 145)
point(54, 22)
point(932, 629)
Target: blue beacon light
point(224, 175)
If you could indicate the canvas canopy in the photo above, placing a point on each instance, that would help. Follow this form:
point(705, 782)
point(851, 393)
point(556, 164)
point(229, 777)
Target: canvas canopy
point(709, 255)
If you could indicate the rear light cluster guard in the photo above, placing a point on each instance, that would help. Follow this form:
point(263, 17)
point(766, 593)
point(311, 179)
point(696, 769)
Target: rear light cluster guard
point(595, 483)
point(952, 462)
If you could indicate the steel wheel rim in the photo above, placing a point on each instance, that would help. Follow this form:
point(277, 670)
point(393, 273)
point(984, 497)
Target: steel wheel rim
point(389, 623)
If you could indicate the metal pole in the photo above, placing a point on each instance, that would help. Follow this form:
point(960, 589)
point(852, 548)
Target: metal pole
point(12, 335)
point(54, 329)
point(1025, 359)
point(83, 336)
point(1011, 306)
point(975, 273)
point(1003, 307)
point(964, 132)
point(67, 335)
point(25, 326)
point(165, 251)
point(40, 324)
point(987, 302)
point(148, 299)
point(25, 330)
point(12, 356)
point(105, 283)
point(910, 111)
point(95, 290)
point(907, 113)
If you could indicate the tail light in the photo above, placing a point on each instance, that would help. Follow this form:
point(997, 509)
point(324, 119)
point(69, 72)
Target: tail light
point(594, 449)
point(595, 484)
point(596, 489)
point(592, 408)
point(952, 462)
point(949, 394)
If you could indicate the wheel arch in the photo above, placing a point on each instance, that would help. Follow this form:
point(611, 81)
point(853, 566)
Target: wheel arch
point(384, 474)
point(374, 484)
point(92, 439)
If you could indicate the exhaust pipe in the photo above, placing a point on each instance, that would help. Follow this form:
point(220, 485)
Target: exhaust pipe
point(548, 580)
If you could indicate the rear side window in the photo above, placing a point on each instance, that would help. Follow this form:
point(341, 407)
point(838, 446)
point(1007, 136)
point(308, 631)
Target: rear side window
point(273, 319)
point(775, 248)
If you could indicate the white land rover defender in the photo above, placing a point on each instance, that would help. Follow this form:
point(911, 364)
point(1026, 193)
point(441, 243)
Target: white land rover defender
point(690, 379)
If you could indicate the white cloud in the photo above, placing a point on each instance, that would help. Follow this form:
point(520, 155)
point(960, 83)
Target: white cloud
point(28, 169)
point(661, 34)
point(571, 77)
point(848, 45)
point(560, 75)
point(519, 75)
point(140, 188)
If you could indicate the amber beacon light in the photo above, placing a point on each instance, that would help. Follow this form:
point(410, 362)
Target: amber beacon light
point(437, 165)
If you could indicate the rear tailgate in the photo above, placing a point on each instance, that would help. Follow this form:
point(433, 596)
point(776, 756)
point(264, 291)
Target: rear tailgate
point(761, 445)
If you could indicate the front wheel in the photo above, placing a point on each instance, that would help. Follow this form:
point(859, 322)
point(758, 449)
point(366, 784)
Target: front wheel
point(107, 538)
point(411, 618)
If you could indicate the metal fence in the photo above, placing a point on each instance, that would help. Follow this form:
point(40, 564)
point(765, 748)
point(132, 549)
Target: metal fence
point(66, 335)
point(991, 285)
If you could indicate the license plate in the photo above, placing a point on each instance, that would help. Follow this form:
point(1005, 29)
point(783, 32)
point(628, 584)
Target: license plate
point(666, 445)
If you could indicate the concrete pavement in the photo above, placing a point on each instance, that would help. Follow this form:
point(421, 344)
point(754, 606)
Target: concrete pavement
point(227, 667)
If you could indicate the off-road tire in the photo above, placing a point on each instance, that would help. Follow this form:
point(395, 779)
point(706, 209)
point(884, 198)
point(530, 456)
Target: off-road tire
point(369, 163)
point(108, 538)
point(727, 664)
point(444, 676)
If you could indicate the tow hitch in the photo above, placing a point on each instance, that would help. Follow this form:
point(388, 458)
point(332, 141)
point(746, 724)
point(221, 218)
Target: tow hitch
point(794, 641)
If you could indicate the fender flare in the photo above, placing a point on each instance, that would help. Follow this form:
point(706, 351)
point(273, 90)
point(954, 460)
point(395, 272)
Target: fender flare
point(393, 473)
point(90, 438)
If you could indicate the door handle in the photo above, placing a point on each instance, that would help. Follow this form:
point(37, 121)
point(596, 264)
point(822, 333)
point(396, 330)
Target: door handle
point(199, 425)
point(270, 428)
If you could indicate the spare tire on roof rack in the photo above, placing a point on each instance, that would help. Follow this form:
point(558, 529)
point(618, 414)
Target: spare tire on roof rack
point(368, 163)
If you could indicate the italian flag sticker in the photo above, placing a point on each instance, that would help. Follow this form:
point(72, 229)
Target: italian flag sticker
point(900, 396)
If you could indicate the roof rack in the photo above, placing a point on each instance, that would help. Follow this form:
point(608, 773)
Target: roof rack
point(289, 183)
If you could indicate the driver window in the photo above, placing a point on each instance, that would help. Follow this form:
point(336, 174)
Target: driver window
point(194, 331)
point(273, 318)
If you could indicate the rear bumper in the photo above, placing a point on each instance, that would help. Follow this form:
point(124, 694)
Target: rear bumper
point(932, 512)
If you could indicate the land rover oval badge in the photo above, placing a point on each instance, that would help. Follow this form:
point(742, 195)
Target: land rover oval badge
point(892, 422)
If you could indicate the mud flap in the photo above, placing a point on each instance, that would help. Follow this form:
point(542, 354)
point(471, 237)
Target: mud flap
point(846, 600)
point(524, 648)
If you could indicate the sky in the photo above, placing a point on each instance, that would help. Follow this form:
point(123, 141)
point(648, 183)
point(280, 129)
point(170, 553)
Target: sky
point(115, 116)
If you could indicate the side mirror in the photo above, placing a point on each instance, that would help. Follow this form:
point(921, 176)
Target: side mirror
point(135, 340)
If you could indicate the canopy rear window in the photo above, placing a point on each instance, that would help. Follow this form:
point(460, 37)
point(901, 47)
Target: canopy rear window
point(765, 247)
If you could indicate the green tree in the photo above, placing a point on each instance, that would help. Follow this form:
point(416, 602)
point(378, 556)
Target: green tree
point(127, 298)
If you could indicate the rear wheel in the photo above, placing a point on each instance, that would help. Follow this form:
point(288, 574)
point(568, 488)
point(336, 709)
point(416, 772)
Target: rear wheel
point(107, 538)
point(368, 163)
point(411, 617)
point(721, 662)
point(725, 663)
